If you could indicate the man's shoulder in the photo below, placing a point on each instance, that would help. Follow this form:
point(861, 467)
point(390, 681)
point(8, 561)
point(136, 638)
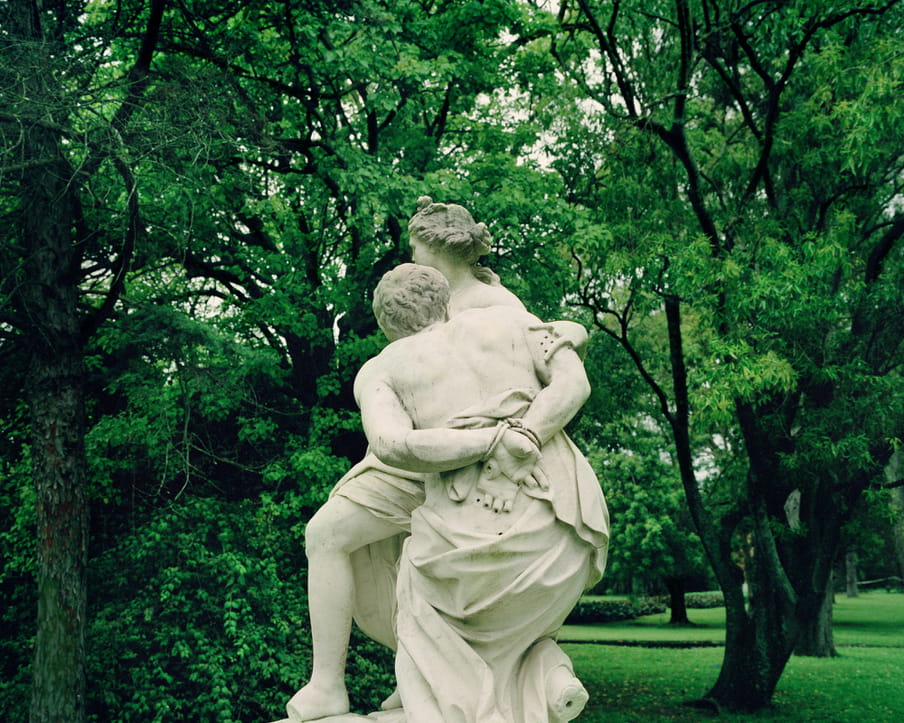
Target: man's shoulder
point(385, 358)
point(517, 318)
point(388, 360)
point(377, 367)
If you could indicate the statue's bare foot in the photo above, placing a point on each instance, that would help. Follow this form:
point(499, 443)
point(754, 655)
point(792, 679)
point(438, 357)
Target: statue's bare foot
point(565, 694)
point(314, 702)
point(393, 701)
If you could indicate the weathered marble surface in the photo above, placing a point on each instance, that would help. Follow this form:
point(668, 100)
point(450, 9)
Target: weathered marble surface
point(512, 525)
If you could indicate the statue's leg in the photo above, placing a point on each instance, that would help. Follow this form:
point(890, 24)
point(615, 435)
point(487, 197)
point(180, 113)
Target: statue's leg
point(337, 529)
point(566, 696)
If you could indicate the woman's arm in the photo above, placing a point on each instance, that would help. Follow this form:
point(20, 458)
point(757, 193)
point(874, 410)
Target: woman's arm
point(557, 403)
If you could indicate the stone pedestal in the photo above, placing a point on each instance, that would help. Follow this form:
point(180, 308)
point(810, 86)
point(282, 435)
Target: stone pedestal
point(383, 716)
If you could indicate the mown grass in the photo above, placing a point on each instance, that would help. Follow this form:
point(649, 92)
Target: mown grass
point(863, 684)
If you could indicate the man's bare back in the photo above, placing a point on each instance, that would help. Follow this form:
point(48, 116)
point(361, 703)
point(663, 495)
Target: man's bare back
point(475, 355)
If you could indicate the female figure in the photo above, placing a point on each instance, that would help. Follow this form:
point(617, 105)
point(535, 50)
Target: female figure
point(446, 237)
point(353, 541)
point(483, 588)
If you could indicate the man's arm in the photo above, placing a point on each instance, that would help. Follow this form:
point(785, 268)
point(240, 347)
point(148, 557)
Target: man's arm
point(557, 403)
point(553, 407)
point(393, 439)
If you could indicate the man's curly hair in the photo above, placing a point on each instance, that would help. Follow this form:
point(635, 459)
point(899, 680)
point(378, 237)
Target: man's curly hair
point(409, 298)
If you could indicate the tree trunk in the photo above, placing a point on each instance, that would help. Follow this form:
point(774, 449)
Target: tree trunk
point(55, 394)
point(850, 572)
point(677, 601)
point(57, 419)
point(48, 300)
point(751, 667)
point(816, 637)
point(758, 642)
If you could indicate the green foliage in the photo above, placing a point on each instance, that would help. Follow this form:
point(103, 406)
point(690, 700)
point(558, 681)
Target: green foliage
point(652, 534)
point(704, 600)
point(649, 518)
point(277, 150)
point(598, 610)
point(201, 613)
point(203, 609)
point(748, 261)
point(871, 535)
point(18, 592)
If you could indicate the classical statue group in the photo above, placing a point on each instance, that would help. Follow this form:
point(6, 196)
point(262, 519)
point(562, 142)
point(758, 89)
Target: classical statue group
point(473, 525)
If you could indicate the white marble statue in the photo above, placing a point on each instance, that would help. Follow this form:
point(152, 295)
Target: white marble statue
point(353, 541)
point(482, 593)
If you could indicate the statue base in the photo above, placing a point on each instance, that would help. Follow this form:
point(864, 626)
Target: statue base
point(383, 716)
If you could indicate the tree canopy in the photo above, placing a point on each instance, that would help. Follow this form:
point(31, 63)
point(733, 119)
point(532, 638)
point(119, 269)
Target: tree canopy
point(197, 198)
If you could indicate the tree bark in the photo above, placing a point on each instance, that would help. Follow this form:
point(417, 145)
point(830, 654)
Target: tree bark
point(816, 638)
point(850, 572)
point(677, 600)
point(56, 401)
point(751, 667)
point(47, 302)
point(55, 394)
point(759, 639)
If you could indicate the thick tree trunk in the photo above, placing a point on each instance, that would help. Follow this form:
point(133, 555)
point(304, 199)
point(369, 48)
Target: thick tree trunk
point(58, 461)
point(751, 667)
point(816, 637)
point(55, 396)
point(758, 639)
point(677, 600)
point(48, 300)
point(758, 644)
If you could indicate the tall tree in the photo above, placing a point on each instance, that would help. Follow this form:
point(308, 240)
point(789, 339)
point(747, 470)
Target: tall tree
point(741, 174)
point(207, 192)
point(47, 310)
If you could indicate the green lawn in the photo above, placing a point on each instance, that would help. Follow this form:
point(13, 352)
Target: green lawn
point(863, 684)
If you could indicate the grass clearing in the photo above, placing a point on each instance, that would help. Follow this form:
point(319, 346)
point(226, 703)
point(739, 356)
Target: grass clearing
point(635, 684)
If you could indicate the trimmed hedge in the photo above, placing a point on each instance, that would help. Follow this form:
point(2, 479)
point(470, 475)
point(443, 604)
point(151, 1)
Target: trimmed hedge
point(698, 600)
point(594, 610)
point(703, 600)
point(589, 610)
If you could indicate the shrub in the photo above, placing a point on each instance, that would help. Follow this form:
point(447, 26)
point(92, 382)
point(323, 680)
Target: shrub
point(591, 610)
point(703, 600)
point(201, 614)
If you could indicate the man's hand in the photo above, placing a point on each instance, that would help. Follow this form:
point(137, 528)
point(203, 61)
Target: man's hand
point(512, 463)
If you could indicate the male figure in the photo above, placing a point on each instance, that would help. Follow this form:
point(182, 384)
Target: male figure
point(481, 593)
point(353, 541)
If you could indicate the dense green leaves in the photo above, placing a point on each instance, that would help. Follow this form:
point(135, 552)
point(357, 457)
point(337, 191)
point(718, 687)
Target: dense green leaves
point(709, 186)
point(739, 216)
point(201, 612)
